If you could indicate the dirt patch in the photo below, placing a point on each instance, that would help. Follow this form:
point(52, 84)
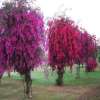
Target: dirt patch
point(91, 94)
point(13, 90)
point(70, 89)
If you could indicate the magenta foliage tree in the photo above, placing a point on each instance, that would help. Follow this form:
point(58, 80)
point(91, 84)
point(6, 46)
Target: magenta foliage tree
point(86, 51)
point(68, 44)
point(21, 39)
point(62, 45)
point(89, 51)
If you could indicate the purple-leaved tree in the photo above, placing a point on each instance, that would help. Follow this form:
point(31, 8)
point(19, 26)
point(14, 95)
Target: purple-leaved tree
point(21, 39)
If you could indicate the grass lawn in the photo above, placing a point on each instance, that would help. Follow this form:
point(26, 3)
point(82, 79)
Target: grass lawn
point(85, 88)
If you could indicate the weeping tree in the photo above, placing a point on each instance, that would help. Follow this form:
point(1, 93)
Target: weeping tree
point(62, 45)
point(86, 50)
point(78, 48)
point(21, 39)
point(89, 51)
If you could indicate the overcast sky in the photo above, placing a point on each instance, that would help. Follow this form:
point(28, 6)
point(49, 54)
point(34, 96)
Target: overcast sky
point(84, 12)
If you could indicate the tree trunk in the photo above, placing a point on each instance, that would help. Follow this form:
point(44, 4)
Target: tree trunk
point(9, 75)
point(71, 69)
point(60, 73)
point(28, 84)
point(78, 71)
point(0, 78)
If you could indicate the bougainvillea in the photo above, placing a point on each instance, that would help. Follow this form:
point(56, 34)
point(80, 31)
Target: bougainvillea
point(91, 64)
point(21, 38)
point(69, 44)
point(62, 44)
point(89, 50)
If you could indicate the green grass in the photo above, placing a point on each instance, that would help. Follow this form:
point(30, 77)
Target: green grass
point(69, 78)
point(39, 78)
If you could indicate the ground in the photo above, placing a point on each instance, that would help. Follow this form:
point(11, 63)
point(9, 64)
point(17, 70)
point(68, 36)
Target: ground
point(85, 88)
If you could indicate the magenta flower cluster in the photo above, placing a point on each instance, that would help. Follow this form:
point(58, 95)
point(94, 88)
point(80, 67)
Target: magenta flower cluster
point(21, 36)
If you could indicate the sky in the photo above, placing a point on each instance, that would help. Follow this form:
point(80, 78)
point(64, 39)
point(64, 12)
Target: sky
point(84, 12)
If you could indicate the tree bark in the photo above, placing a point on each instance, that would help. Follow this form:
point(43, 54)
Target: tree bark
point(78, 71)
point(0, 78)
point(28, 86)
point(60, 73)
point(71, 69)
point(9, 75)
